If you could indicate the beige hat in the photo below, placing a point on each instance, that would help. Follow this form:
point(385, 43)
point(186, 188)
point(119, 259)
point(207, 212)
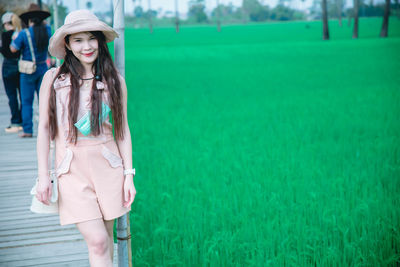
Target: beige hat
point(7, 17)
point(78, 21)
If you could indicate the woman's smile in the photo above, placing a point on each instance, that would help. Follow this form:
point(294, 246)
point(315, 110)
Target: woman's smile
point(88, 54)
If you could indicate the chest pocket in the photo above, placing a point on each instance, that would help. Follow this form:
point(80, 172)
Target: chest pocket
point(83, 124)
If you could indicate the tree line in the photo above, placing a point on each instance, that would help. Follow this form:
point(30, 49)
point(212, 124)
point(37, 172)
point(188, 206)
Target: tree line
point(256, 11)
point(354, 14)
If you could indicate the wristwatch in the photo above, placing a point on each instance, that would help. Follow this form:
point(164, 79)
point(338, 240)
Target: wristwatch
point(129, 171)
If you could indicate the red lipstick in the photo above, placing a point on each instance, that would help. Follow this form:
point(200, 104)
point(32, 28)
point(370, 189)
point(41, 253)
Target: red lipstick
point(88, 54)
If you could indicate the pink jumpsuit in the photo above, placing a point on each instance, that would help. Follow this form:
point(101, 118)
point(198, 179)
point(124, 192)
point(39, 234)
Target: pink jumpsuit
point(90, 172)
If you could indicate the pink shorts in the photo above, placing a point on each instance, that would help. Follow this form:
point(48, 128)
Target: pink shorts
point(91, 182)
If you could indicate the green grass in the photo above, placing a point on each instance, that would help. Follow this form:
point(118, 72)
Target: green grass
point(263, 145)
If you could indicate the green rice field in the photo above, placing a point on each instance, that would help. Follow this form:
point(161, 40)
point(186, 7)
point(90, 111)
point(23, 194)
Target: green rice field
point(263, 145)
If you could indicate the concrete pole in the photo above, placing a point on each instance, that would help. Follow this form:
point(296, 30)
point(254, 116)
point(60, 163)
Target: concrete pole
point(55, 17)
point(123, 229)
point(119, 43)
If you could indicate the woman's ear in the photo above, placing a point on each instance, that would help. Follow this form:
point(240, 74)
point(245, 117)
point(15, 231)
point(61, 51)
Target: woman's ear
point(67, 46)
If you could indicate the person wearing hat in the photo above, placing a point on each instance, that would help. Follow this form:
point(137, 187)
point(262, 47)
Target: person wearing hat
point(11, 74)
point(81, 102)
point(40, 34)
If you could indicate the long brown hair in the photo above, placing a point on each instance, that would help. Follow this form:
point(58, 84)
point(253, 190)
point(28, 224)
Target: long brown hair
point(104, 70)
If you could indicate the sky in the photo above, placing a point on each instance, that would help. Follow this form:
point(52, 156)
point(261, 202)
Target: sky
point(100, 5)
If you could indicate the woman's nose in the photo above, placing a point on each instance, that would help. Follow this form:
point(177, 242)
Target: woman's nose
point(86, 45)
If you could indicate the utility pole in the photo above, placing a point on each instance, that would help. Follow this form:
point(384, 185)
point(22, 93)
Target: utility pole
point(218, 17)
point(123, 229)
point(176, 17)
point(325, 31)
point(150, 15)
point(355, 10)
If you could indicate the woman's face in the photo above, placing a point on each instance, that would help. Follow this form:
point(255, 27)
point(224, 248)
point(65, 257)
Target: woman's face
point(8, 26)
point(84, 46)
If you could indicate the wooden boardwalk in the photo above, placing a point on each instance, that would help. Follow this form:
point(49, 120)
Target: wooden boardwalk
point(28, 239)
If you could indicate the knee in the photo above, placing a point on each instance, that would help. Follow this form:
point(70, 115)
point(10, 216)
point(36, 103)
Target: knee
point(99, 244)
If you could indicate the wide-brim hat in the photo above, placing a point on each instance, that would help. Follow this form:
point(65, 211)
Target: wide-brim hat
point(7, 17)
point(34, 11)
point(78, 21)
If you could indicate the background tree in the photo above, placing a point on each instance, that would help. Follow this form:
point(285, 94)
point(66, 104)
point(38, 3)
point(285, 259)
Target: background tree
point(226, 13)
point(138, 12)
point(385, 24)
point(255, 11)
point(282, 12)
point(197, 11)
point(89, 5)
point(355, 12)
point(325, 31)
point(62, 13)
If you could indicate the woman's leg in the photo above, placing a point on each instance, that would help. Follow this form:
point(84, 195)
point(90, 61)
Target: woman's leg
point(27, 94)
point(96, 236)
point(11, 85)
point(110, 228)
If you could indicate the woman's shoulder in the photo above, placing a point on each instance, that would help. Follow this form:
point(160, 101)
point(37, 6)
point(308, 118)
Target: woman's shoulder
point(60, 80)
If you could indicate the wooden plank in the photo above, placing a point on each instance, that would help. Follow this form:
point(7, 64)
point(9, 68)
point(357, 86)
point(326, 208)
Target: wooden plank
point(22, 216)
point(54, 249)
point(38, 235)
point(45, 240)
point(51, 261)
point(42, 230)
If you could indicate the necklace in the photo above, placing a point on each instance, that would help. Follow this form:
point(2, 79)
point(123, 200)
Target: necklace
point(87, 81)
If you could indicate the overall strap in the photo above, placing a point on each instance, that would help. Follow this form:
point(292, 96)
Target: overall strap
point(28, 35)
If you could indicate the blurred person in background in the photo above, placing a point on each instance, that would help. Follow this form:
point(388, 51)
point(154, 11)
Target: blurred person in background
point(30, 83)
point(10, 71)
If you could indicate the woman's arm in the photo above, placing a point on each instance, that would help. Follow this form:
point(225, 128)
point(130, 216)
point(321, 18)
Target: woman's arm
point(43, 140)
point(18, 42)
point(13, 49)
point(125, 149)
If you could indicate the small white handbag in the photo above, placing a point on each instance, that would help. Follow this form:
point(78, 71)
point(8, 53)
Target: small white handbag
point(39, 207)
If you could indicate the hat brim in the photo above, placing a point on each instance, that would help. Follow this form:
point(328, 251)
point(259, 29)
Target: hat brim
point(34, 14)
point(57, 41)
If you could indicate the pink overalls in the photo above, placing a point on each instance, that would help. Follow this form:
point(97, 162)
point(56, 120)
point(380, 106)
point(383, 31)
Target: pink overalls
point(90, 172)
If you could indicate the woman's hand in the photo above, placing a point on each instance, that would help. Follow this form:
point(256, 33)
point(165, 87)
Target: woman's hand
point(44, 190)
point(129, 190)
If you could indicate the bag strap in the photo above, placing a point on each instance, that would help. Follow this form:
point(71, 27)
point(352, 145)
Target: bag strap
point(52, 155)
point(28, 34)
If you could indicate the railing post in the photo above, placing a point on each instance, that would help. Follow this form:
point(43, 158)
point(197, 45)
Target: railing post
point(123, 229)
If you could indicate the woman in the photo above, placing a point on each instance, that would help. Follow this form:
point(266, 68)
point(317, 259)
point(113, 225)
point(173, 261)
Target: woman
point(10, 73)
point(94, 169)
point(30, 83)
